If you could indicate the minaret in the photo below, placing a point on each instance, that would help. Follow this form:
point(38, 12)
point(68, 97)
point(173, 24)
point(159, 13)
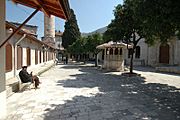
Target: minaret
point(49, 30)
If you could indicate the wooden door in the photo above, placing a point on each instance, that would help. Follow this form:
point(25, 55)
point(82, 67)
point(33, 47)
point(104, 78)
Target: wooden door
point(164, 54)
point(36, 57)
point(28, 56)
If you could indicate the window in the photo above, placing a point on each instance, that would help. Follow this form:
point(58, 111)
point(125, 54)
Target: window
point(8, 57)
point(103, 54)
point(116, 51)
point(120, 51)
point(129, 52)
point(28, 51)
point(137, 55)
point(19, 57)
point(111, 51)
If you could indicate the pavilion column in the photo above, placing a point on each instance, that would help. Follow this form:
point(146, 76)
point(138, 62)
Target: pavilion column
point(113, 55)
point(118, 54)
point(2, 61)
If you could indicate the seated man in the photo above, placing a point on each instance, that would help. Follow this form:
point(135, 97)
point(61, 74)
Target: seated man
point(26, 77)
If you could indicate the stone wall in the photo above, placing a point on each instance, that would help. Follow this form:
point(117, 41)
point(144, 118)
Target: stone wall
point(149, 55)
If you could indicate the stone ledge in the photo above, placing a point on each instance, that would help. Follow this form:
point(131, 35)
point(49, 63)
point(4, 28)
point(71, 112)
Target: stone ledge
point(175, 69)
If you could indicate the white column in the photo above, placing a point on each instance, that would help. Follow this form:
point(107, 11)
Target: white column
point(2, 62)
point(49, 26)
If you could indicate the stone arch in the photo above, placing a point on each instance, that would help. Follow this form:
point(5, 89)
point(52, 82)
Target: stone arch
point(8, 57)
point(111, 51)
point(116, 51)
point(164, 53)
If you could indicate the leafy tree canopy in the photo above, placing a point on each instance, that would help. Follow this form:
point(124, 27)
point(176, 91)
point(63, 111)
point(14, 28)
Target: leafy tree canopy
point(92, 42)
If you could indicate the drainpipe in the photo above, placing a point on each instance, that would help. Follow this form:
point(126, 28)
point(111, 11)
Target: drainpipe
point(15, 53)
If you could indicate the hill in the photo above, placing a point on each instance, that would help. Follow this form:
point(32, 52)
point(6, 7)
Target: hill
point(100, 30)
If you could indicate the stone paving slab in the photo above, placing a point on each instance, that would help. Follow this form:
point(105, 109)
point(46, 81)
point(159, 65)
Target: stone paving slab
point(75, 92)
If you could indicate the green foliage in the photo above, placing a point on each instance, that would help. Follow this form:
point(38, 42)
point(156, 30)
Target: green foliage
point(92, 42)
point(78, 47)
point(86, 44)
point(71, 33)
point(161, 18)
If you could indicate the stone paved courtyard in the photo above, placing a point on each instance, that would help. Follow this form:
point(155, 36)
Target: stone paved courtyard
point(80, 92)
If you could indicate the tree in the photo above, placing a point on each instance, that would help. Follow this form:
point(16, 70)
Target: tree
point(78, 47)
point(71, 33)
point(150, 19)
point(161, 18)
point(91, 43)
point(127, 26)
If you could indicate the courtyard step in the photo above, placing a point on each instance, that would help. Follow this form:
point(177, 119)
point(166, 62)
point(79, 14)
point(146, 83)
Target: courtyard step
point(170, 69)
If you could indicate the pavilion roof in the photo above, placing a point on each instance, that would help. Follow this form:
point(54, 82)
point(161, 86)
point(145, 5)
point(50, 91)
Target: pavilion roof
point(59, 8)
point(112, 44)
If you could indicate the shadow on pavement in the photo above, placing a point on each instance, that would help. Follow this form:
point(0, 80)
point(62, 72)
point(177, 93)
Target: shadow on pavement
point(119, 98)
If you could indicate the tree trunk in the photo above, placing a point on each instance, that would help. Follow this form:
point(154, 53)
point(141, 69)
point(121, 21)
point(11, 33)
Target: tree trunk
point(131, 62)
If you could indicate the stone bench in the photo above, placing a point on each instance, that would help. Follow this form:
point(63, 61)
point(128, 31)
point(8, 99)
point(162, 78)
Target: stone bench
point(23, 86)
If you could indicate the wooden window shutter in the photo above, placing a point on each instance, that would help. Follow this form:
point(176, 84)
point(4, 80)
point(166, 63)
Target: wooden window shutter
point(19, 57)
point(8, 58)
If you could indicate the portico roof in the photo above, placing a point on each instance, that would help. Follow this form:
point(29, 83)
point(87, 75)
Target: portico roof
point(59, 8)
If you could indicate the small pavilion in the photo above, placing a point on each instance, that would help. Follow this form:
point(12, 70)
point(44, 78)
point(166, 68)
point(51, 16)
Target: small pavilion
point(113, 55)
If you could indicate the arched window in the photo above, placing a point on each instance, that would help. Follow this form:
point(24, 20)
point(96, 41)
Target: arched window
point(8, 57)
point(36, 57)
point(120, 51)
point(129, 52)
point(19, 57)
point(103, 54)
point(138, 52)
point(111, 51)
point(116, 51)
point(28, 51)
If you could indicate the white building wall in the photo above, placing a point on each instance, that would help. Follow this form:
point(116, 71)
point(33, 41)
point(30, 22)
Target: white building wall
point(32, 57)
point(24, 58)
point(177, 53)
point(143, 52)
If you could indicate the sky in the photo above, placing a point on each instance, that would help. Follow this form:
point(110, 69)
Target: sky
point(90, 14)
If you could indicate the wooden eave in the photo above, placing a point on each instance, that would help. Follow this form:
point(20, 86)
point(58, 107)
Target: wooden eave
point(59, 8)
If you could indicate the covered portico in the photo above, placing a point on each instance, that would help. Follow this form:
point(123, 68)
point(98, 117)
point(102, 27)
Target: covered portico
point(113, 55)
point(59, 8)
